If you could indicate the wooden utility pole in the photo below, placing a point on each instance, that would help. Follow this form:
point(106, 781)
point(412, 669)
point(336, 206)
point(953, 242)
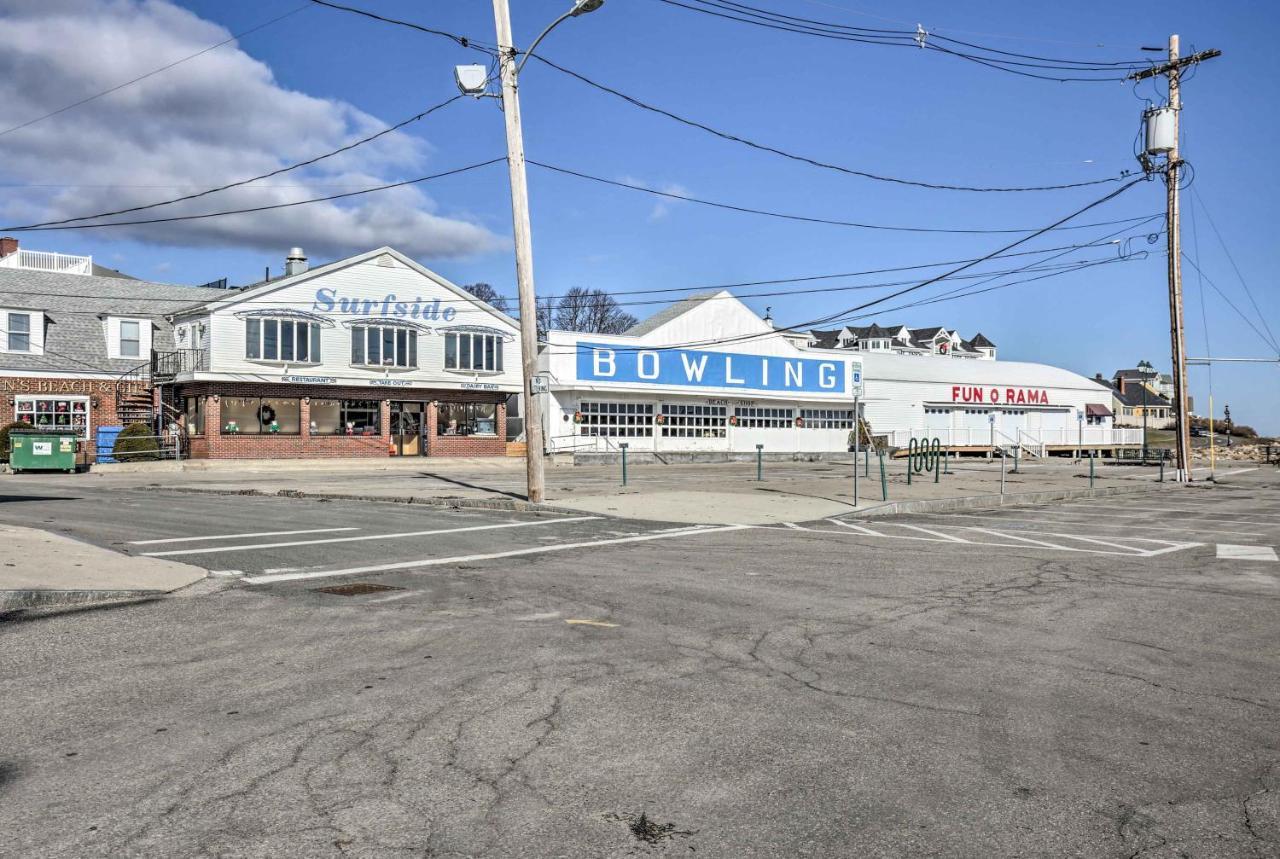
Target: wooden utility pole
point(524, 251)
point(1182, 425)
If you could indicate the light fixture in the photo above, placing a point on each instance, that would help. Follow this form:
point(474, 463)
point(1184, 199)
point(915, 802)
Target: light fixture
point(471, 80)
point(582, 7)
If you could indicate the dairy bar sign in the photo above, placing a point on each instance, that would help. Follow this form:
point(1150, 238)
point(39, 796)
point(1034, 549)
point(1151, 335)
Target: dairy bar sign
point(694, 368)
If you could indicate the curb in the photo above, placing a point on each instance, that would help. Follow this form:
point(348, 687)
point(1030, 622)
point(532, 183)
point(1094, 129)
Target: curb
point(513, 504)
point(970, 502)
point(22, 600)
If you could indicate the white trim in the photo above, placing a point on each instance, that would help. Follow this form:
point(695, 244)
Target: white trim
point(54, 374)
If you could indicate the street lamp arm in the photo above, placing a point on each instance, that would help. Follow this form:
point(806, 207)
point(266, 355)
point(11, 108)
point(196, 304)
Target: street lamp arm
point(556, 23)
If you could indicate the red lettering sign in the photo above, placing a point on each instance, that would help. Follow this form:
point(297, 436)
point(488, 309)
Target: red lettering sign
point(1012, 396)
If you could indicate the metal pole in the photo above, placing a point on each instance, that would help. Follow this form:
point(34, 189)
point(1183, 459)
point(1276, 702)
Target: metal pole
point(884, 480)
point(759, 462)
point(534, 465)
point(1162, 468)
point(623, 447)
point(911, 459)
point(1015, 460)
point(857, 447)
point(1093, 454)
point(1144, 423)
point(1002, 459)
point(1212, 448)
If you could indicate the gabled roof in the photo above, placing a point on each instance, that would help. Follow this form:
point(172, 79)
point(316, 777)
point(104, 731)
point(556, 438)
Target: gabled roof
point(982, 342)
point(1134, 397)
point(662, 317)
point(926, 333)
point(826, 339)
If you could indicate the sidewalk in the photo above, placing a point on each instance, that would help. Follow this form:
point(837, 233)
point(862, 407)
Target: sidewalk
point(716, 493)
point(39, 569)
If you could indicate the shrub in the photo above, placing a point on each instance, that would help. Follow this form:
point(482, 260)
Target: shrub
point(4, 438)
point(136, 444)
point(1244, 431)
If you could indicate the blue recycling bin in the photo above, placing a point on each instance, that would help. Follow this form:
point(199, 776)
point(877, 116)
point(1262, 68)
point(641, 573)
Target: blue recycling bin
point(105, 443)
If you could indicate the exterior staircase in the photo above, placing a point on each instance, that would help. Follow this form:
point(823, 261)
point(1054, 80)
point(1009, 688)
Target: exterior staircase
point(137, 402)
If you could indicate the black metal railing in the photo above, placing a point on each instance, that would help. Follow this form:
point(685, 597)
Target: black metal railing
point(168, 365)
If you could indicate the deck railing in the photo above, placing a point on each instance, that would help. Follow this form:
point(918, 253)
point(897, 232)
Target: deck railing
point(48, 261)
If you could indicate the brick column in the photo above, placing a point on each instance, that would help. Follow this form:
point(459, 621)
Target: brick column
point(304, 419)
point(212, 418)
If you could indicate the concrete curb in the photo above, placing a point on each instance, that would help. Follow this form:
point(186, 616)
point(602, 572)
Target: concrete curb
point(1012, 499)
point(513, 504)
point(21, 600)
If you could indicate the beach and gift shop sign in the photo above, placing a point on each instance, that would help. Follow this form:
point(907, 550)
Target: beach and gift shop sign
point(597, 362)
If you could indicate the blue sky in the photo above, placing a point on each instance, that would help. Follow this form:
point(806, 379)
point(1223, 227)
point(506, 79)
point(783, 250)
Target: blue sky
point(892, 111)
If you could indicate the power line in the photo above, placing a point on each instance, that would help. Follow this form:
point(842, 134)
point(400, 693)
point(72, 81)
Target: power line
point(1262, 317)
point(240, 182)
point(1232, 305)
point(802, 218)
point(463, 41)
point(153, 72)
point(388, 186)
point(804, 159)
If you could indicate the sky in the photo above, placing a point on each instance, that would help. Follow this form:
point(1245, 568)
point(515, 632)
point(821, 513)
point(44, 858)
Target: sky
point(317, 78)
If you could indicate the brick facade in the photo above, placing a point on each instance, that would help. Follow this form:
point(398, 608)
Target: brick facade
point(214, 444)
point(100, 392)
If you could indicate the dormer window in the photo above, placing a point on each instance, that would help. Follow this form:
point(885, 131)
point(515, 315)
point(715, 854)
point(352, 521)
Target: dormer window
point(18, 332)
point(128, 338)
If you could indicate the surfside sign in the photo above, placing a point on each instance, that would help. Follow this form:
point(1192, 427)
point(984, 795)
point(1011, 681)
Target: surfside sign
point(389, 306)
point(599, 362)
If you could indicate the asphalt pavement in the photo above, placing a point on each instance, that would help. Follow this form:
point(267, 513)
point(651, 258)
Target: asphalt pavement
point(1085, 679)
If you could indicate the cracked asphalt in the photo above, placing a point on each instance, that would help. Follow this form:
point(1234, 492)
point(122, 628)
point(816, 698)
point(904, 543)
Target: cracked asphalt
point(753, 693)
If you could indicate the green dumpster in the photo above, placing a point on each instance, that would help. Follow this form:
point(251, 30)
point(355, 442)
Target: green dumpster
point(42, 449)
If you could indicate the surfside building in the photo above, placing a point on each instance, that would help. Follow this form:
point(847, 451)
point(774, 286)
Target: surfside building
point(709, 375)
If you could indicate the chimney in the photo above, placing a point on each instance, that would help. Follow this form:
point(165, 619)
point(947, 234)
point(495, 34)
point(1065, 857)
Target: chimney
point(8, 245)
point(1098, 377)
point(295, 262)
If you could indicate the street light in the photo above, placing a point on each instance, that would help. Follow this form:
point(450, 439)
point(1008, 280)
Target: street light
point(1145, 367)
point(468, 84)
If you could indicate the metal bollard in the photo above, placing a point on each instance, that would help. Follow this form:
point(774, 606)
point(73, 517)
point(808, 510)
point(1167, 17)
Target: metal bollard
point(937, 453)
point(884, 481)
point(855, 481)
point(1015, 460)
point(911, 459)
point(759, 462)
point(1002, 459)
point(623, 446)
point(1093, 454)
point(1162, 469)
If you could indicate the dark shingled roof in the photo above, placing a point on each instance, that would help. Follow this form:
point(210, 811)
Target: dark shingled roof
point(826, 339)
point(980, 341)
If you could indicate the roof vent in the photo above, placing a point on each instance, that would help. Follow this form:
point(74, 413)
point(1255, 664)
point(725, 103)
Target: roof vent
point(386, 261)
point(295, 262)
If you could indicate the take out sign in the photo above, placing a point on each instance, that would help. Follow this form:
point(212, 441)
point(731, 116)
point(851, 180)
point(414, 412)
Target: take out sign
point(1009, 396)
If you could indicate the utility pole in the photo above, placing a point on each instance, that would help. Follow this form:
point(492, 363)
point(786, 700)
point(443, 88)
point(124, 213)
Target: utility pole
point(1173, 71)
point(524, 251)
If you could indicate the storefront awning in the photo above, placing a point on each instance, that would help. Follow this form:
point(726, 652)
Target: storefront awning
point(1094, 410)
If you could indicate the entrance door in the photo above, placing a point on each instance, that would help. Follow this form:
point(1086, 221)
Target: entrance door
point(407, 427)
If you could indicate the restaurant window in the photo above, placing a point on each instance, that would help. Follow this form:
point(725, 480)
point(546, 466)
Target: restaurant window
point(618, 420)
point(689, 421)
point(836, 419)
point(282, 340)
point(473, 351)
point(346, 417)
point(68, 413)
point(193, 415)
point(756, 417)
point(19, 332)
point(384, 346)
point(260, 416)
point(467, 418)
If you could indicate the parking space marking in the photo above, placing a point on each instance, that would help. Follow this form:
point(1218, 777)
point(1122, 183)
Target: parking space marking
point(489, 556)
point(1002, 518)
point(947, 537)
point(1044, 543)
point(363, 537)
point(1165, 546)
point(852, 527)
point(1229, 552)
point(237, 536)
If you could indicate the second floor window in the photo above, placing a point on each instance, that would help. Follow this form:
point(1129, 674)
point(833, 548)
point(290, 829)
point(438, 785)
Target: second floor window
point(282, 340)
point(19, 332)
point(384, 346)
point(130, 338)
point(472, 351)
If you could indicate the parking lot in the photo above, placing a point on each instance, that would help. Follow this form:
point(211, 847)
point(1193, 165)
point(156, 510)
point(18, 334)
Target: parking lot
point(1092, 678)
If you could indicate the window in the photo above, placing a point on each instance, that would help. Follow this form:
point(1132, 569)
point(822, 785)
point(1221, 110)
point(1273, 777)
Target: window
point(260, 415)
point(619, 420)
point(193, 415)
point(473, 351)
point(763, 418)
point(346, 417)
point(379, 346)
point(467, 419)
point(685, 421)
point(837, 419)
point(130, 338)
point(282, 340)
point(937, 411)
point(62, 413)
point(19, 332)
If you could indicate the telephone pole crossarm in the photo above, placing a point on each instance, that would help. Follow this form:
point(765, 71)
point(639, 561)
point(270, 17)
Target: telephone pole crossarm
point(1175, 65)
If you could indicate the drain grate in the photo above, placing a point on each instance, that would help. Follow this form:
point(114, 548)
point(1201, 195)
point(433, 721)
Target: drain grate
point(356, 589)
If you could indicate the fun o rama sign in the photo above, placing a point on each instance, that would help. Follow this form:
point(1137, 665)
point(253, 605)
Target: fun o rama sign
point(1007, 396)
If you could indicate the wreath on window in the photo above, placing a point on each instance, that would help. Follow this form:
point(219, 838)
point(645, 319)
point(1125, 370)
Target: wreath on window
point(800, 422)
point(266, 414)
point(660, 419)
point(733, 420)
point(577, 417)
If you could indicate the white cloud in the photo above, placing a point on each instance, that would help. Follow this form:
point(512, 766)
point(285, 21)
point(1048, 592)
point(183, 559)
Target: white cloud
point(218, 118)
point(663, 206)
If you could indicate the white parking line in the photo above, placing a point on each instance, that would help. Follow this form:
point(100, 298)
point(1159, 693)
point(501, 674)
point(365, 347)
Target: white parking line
point(489, 556)
point(1044, 543)
point(998, 517)
point(927, 531)
point(363, 537)
point(858, 528)
point(1229, 552)
point(237, 536)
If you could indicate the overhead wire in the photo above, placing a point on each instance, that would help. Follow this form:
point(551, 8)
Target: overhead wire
point(1266, 340)
point(155, 71)
point(307, 163)
point(814, 162)
point(1262, 317)
point(461, 41)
